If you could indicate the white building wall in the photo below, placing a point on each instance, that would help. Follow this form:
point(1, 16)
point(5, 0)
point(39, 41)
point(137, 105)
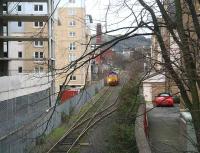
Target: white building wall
point(27, 8)
point(13, 48)
point(20, 85)
point(147, 92)
point(13, 67)
point(14, 30)
point(147, 86)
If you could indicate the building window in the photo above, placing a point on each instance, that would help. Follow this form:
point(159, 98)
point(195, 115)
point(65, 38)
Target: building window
point(72, 46)
point(4, 7)
point(72, 77)
point(72, 57)
point(38, 7)
point(72, 34)
point(41, 69)
point(35, 7)
point(72, 23)
point(72, 1)
point(71, 11)
point(38, 24)
point(20, 69)
point(38, 44)
point(38, 55)
point(19, 8)
point(19, 42)
point(92, 47)
point(19, 23)
point(41, 55)
point(19, 54)
point(38, 69)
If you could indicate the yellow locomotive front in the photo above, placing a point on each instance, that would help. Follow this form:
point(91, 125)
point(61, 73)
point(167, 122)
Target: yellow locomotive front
point(112, 79)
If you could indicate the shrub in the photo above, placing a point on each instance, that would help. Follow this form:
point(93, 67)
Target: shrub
point(122, 138)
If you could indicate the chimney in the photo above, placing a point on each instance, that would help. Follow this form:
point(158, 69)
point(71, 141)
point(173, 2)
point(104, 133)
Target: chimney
point(98, 33)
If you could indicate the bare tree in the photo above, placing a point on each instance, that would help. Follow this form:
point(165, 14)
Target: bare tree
point(166, 20)
point(172, 22)
point(180, 20)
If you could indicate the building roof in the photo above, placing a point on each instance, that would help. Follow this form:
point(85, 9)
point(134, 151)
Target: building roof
point(157, 78)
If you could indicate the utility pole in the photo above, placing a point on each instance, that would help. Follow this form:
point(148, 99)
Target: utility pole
point(3, 64)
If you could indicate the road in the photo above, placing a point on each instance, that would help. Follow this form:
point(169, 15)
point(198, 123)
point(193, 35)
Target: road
point(165, 134)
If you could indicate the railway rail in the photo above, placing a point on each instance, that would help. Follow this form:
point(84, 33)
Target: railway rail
point(101, 108)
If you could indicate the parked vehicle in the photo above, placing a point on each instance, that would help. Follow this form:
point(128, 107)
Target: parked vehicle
point(164, 99)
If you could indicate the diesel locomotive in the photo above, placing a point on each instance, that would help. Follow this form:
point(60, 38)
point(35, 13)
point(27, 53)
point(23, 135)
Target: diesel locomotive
point(112, 79)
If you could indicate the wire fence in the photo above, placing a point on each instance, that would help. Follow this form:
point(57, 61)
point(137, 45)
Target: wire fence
point(25, 118)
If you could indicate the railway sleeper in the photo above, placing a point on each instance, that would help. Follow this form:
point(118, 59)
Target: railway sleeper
point(68, 139)
point(59, 151)
point(62, 149)
point(66, 143)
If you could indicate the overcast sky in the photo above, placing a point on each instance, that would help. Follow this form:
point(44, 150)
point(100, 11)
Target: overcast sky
point(96, 8)
point(116, 14)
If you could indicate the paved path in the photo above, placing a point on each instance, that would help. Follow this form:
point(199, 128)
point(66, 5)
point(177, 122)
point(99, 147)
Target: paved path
point(164, 130)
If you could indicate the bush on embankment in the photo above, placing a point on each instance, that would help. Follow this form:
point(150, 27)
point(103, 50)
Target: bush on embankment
point(122, 139)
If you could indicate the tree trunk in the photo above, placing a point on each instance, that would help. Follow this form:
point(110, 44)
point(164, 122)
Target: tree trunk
point(196, 121)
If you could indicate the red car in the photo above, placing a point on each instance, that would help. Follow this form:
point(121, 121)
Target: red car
point(164, 99)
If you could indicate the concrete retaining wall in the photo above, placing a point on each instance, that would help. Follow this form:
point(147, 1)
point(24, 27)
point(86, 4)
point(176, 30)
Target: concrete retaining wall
point(187, 127)
point(21, 85)
point(141, 130)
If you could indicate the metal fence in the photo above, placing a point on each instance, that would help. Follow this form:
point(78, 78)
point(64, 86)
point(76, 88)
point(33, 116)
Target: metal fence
point(16, 112)
point(30, 122)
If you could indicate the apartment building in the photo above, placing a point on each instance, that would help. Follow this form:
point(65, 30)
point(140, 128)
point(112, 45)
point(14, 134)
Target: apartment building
point(72, 37)
point(27, 56)
point(24, 44)
point(156, 56)
point(189, 25)
point(176, 56)
point(159, 80)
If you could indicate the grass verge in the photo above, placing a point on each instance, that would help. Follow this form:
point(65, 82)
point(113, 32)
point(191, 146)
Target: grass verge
point(44, 143)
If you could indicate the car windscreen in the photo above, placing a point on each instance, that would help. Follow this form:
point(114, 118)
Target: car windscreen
point(164, 95)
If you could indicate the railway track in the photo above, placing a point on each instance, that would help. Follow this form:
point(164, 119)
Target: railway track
point(101, 108)
point(98, 110)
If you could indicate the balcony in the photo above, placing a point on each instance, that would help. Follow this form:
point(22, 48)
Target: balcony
point(25, 18)
point(23, 38)
point(24, 1)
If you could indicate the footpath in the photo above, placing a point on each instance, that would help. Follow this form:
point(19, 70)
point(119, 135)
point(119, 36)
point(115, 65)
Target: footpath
point(169, 130)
